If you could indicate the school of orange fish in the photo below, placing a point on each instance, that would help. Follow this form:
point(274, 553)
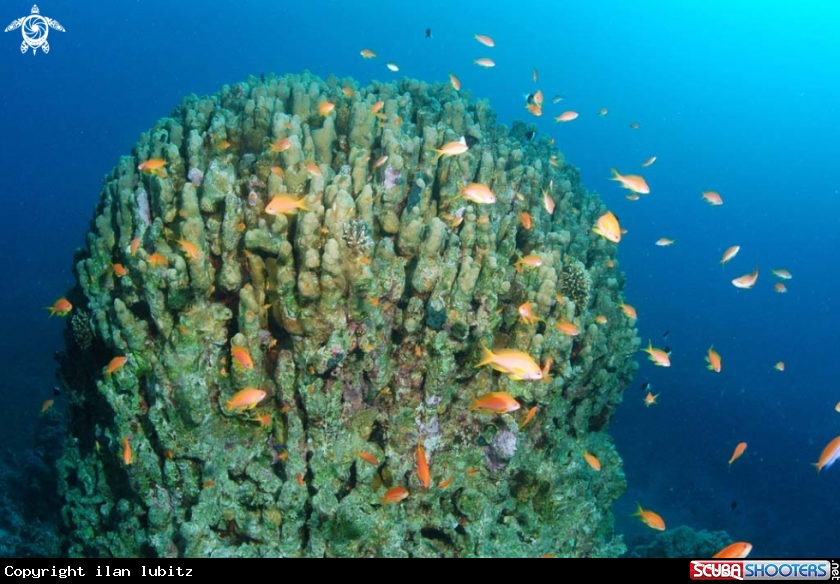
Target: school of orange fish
point(518, 365)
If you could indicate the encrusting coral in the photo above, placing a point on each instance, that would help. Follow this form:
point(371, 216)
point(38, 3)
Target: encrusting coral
point(330, 265)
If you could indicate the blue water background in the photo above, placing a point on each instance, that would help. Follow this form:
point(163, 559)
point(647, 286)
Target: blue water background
point(735, 97)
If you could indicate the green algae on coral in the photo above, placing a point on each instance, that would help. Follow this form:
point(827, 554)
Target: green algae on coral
point(363, 316)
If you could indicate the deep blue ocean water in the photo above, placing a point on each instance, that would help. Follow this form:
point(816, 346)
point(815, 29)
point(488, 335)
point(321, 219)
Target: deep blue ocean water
point(741, 98)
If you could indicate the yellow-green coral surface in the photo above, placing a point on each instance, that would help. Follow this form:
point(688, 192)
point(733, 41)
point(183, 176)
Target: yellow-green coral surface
point(363, 317)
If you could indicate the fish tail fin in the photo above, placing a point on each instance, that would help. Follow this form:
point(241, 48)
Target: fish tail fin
point(486, 356)
point(439, 154)
point(545, 377)
point(639, 510)
point(817, 466)
point(615, 174)
point(51, 309)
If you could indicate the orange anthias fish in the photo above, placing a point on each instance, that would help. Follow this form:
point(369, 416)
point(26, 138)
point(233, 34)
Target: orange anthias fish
point(128, 456)
point(456, 84)
point(286, 205)
point(729, 254)
point(739, 450)
point(659, 357)
point(712, 197)
point(422, 467)
point(119, 270)
point(837, 408)
point(528, 417)
point(747, 281)
point(566, 117)
point(525, 219)
point(607, 227)
point(376, 107)
point(783, 274)
point(548, 202)
point(650, 399)
point(649, 161)
point(452, 149)
point(534, 108)
point(313, 169)
point(713, 359)
point(153, 166)
point(486, 63)
point(367, 54)
point(245, 399)
point(61, 307)
point(650, 518)
point(497, 402)
point(737, 550)
point(393, 67)
point(664, 242)
point(47, 405)
point(394, 495)
point(829, 455)
point(242, 357)
point(567, 328)
point(368, 457)
point(135, 244)
point(280, 146)
point(633, 182)
point(478, 194)
point(628, 310)
point(115, 365)
point(325, 108)
point(780, 366)
point(780, 288)
point(601, 319)
point(526, 313)
point(591, 460)
point(530, 260)
point(485, 40)
point(189, 248)
point(157, 259)
point(446, 483)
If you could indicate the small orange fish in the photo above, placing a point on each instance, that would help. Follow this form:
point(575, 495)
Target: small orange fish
point(712, 197)
point(659, 357)
point(486, 63)
point(837, 408)
point(158, 260)
point(497, 402)
point(633, 197)
point(264, 420)
point(422, 467)
point(189, 248)
point(780, 366)
point(452, 149)
point(783, 274)
point(153, 166)
point(531, 261)
point(603, 111)
point(280, 146)
point(601, 319)
point(224, 145)
point(610, 263)
point(526, 313)
point(664, 242)
point(650, 518)
point(525, 219)
point(633, 182)
point(473, 471)
point(528, 417)
point(747, 281)
point(729, 254)
point(829, 455)
point(456, 84)
point(382, 160)
point(47, 405)
point(115, 365)
point(276, 170)
point(534, 108)
point(368, 457)
point(649, 161)
point(607, 227)
point(325, 108)
point(119, 270)
point(485, 40)
point(245, 399)
point(548, 202)
point(713, 359)
point(347, 91)
point(650, 399)
point(61, 307)
point(567, 328)
point(394, 495)
point(739, 450)
point(286, 204)
point(592, 461)
point(299, 478)
point(628, 310)
point(377, 106)
point(128, 456)
point(477, 193)
point(207, 484)
point(737, 550)
point(242, 357)
point(367, 54)
point(446, 483)
point(566, 117)
point(313, 169)
point(780, 288)
point(135, 244)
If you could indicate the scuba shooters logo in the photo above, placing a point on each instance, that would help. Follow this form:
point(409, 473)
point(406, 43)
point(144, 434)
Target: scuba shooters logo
point(35, 29)
point(797, 570)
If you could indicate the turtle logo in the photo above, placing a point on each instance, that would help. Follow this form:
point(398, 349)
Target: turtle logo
point(35, 29)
